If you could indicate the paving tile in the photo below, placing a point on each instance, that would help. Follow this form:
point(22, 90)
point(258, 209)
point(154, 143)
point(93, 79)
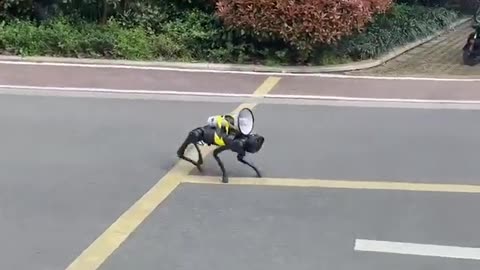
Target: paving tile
point(441, 56)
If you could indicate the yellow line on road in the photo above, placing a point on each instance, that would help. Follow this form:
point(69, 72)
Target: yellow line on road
point(341, 184)
point(266, 86)
point(94, 256)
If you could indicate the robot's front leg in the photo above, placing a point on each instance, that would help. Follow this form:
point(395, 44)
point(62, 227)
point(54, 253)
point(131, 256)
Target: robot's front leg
point(216, 152)
point(193, 137)
point(242, 160)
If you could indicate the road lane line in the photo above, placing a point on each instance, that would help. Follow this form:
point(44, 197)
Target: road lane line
point(417, 249)
point(341, 184)
point(266, 87)
point(122, 91)
point(270, 80)
point(255, 73)
point(96, 254)
point(367, 99)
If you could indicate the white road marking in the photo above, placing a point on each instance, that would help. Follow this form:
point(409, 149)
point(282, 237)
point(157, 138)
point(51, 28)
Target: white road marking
point(402, 100)
point(234, 95)
point(124, 91)
point(259, 100)
point(193, 70)
point(417, 249)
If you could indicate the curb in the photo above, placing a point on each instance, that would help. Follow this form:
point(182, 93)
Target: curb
point(365, 64)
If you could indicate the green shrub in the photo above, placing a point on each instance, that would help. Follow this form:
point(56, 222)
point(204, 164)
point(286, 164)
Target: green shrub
point(199, 31)
point(195, 35)
point(60, 37)
point(304, 24)
point(203, 5)
point(15, 9)
point(403, 24)
point(427, 3)
point(205, 38)
point(151, 16)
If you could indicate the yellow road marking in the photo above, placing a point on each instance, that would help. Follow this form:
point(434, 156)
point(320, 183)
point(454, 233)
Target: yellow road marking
point(266, 86)
point(92, 257)
point(341, 184)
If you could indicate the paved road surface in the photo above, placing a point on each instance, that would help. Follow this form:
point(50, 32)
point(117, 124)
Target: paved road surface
point(101, 79)
point(72, 166)
point(420, 145)
point(125, 79)
point(213, 228)
point(155, 81)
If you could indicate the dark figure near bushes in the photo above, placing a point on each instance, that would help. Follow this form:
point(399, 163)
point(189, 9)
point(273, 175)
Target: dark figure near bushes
point(42, 10)
point(471, 49)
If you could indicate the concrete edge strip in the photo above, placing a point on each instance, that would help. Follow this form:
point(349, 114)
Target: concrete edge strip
point(335, 184)
point(365, 64)
point(233, 95)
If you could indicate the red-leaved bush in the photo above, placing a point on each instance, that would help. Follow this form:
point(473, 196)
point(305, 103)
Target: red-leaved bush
point(300, 23)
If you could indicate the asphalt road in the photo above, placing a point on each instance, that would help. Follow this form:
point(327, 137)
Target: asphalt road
point(99, 79)
point(72, 166)
point(126, 79)
point(352, 143)
point(234, 227)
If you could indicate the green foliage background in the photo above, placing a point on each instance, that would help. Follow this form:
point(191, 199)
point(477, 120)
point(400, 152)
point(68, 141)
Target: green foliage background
point(188, 30)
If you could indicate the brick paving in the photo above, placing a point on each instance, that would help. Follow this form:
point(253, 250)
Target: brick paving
point(440, 57)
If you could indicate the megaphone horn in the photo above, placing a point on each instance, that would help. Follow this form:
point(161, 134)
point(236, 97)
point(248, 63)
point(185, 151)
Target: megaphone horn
point(245, 121)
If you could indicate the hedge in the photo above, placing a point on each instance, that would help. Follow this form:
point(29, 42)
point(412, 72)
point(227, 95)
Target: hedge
point(185, 40)
point(404, 24)
point(303, 24)
point(198, 35)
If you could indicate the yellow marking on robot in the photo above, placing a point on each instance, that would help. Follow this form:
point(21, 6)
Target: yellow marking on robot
point(96, 254)
point(340, 184)
point(218, 140)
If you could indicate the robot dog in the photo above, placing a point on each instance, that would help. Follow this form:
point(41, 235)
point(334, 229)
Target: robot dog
point(222, 131)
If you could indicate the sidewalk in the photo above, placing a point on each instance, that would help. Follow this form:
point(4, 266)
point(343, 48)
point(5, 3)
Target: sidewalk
point(440, 57)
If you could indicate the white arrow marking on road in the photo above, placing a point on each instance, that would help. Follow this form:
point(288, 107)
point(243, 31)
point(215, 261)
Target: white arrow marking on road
point(417, 249)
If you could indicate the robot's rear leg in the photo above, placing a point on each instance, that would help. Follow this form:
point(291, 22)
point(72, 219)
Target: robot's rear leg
point(216, 152)
point(194, 137)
